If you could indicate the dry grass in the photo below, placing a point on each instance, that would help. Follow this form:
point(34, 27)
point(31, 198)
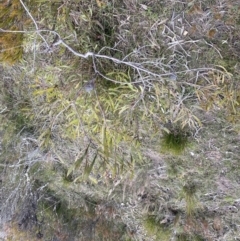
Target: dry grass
point(95, 154)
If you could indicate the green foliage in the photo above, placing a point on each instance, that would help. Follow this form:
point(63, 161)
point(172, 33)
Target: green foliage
point(189, 194)
point(156, 230)
point(87, 167)
point(175, 141)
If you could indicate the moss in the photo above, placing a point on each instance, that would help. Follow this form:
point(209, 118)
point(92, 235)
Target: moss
point(11, 43)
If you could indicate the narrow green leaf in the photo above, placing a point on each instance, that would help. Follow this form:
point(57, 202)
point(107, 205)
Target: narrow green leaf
point(78, 162)
point(88, 169)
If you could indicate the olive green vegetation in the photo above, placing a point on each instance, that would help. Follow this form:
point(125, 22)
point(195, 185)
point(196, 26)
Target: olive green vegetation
point(135, 156)
point(189, 195)
point(186, 237)
point(11, 43)
point(174, 141)
point(155, 229)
